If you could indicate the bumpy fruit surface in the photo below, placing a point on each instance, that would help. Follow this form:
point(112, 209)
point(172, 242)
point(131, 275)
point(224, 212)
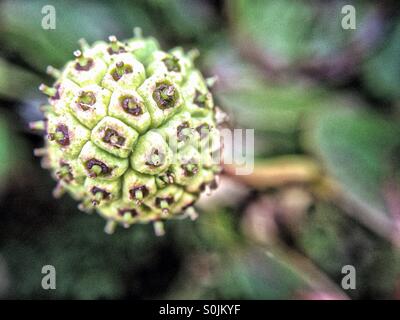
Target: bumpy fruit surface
point(130, 131)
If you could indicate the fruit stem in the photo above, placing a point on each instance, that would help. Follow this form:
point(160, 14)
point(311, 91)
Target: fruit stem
point(137, 32)
point(51, 71)
point(139, 195)
point(110, 227)
point(96, 169)
point(51, 92)
point(37, 125)
point(159, 228)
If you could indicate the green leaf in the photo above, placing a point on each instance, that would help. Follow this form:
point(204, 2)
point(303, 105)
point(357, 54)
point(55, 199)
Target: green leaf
point(254, 275)
point(21, 27)
point(9, 149)
point(382, 72)
point(185, 18)
point(275, 112)
point(272, 108)
point(332, 240)
point(17, 83)
point(357, 150)
point(276, 26)
point(293, 33)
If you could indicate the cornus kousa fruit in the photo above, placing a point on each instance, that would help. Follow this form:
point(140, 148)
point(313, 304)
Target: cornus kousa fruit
point(131, 131)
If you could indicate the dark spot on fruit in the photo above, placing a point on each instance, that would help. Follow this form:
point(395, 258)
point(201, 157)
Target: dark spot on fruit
point(85, 67)
point(112, 51)
point(65, 172)
point(172, 63)
point(168, 177)
point(203, 130)
point(190, 169)
point(60, 135)
point(57, 95)
point(86, 99)
point(94, 163)
point(165, 95)
point(95, 190)
point(179, 130)
point(120, 70)
point(191, 203)
point(113, 138)
point(155, 159)
point(143, 189)
point(168, 199)
point(200, 99)
point(131, 105)
point(132, 212)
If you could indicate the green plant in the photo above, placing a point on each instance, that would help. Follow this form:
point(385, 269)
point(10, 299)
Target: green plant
point(131, 131)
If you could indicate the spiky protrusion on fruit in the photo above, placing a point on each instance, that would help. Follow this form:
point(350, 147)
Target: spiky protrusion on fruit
point(131, 131)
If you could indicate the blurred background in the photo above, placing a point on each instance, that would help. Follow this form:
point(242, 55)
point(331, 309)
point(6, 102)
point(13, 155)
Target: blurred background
point(325, 192)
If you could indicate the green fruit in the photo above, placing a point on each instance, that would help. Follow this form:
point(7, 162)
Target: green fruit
point(125, 128)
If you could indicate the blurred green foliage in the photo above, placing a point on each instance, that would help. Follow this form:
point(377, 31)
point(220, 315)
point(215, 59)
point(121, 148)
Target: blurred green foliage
point(358, 150)
point(7, 157)
point(334, 241)
point(81, 272)
point(302, 35)
point(381, 72)
point(287, 69)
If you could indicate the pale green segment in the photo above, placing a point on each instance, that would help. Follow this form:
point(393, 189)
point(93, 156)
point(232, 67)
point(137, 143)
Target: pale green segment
point(209, 146)
point(131, 73)
point(184, 58)
point(143, 48)
point(146, 90)
point(75, 187)
point(139, 122)
point(210, 160)
point(172, 192)
point(117, 166)
point(160, 182)
point(98, 50)
point(188, 157)
point(66, 91)
point(174, 131)
point(204, 177)
point(186, 200)
point(110, 124)
point(145, 154)
point(93, 75)
point(158, 66)
point(113, 188)
point(54, 155)
point(101, 49)
point(56, 160)
point(77, 171)
point(205, 127)
point(133, 180)
point(90, 115)
point(196, 84)
point(78, 135)
point(74, 168)
point(77, 192)
point(185, 61)
point(113, 212)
